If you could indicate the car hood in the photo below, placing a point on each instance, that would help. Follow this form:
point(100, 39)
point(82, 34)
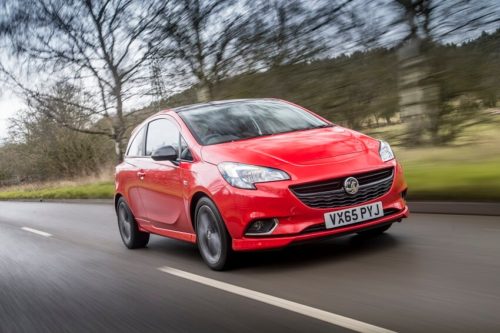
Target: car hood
point(310, 147)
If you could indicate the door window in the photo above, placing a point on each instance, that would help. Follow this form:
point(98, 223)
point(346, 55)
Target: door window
point(161, 133)
point(136, 148)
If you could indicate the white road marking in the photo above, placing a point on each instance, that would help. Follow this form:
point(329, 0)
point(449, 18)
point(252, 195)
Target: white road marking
point(305, 310)
point(38, 232)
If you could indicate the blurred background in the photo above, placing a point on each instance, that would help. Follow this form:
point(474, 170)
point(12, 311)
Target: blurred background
point(77, 76)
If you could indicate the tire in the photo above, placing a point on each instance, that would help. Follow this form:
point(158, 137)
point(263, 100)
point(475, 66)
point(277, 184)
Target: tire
point(375, 231)
point(212, 238)
point(131, 236)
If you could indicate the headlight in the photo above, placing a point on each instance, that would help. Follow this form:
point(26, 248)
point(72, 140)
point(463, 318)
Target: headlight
point(385, 151)
point(245, 176)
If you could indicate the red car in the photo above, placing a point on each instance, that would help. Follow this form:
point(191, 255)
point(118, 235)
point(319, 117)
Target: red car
point(242, 175)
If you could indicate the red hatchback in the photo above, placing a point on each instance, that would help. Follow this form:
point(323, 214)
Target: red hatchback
point(244, 175)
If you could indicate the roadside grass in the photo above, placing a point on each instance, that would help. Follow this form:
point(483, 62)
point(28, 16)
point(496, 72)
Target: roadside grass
point(458, 181)
point(100, 190)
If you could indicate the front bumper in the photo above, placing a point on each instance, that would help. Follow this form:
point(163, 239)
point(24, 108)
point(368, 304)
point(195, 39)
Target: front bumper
point(297, 221)
point(262, 243)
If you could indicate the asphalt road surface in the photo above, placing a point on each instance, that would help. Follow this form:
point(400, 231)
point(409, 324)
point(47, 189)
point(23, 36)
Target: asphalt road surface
point(63, 268)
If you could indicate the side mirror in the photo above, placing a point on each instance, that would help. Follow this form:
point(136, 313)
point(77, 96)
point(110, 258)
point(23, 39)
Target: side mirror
point(165, 153)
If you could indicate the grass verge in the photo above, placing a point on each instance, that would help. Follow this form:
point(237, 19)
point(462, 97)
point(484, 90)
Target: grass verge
point(100, 190)
point(451, 181)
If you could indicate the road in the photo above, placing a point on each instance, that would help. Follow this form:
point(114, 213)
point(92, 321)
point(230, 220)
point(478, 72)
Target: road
point(431, 273)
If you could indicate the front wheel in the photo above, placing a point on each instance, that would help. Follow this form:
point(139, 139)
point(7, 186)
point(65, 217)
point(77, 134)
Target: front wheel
point(375, 231)
point(214, 242)
point(132, 237)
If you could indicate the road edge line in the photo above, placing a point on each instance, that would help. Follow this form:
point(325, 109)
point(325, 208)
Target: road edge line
point(38, 232)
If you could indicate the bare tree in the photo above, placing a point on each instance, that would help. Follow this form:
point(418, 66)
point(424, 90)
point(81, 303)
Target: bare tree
point(205, 36)
point(46, 150)
point(291, 31)
point(104, 46)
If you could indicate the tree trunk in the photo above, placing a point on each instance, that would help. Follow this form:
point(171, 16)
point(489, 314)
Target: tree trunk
point(120, 146)
point(119, 142)
point(418, 95)
point(204, 92)
point(120, 126)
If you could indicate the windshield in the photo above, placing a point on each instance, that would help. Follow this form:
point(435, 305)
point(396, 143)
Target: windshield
point(244, 120)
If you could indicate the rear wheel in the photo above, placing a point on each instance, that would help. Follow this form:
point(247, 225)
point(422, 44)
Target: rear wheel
point(214, 242)
point(132, 237)
point(375, 231)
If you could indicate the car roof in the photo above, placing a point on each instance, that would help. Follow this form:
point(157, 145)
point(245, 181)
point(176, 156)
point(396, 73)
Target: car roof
point(217, 103)
point(199, 106)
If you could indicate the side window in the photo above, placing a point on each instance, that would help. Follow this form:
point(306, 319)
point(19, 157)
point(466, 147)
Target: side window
point(136, 148)
point(161, 132)
point(185, 152)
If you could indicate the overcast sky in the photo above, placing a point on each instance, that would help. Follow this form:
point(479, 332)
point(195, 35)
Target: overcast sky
point(9, 105)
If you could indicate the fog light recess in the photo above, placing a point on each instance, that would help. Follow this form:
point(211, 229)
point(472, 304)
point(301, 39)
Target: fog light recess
point(261, 227)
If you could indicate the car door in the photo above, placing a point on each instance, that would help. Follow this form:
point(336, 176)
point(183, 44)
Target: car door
point(132, 171)
point(162, 189)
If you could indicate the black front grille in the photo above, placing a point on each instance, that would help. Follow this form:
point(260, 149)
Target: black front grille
point(331, 194)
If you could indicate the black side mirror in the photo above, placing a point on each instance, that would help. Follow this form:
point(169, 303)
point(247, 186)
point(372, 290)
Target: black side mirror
point(165, 153)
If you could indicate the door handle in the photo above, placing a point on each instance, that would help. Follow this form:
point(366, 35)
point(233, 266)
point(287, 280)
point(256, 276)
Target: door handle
point(141, 174)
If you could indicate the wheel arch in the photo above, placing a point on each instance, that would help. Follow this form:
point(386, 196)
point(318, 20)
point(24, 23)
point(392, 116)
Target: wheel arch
point(118, 195)
point(192, 205)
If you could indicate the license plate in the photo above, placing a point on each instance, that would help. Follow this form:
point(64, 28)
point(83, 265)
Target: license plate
point(348, 216)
